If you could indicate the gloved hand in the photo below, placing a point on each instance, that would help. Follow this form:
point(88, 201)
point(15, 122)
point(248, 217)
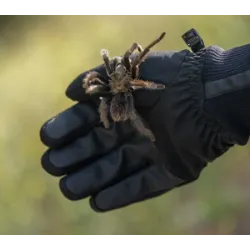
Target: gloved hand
point(116, 167)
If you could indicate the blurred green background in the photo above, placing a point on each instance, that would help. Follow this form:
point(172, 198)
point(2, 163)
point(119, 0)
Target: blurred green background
point(39, 57)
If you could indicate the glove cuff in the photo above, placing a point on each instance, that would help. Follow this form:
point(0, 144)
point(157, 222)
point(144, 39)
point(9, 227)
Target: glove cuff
point(220, 64)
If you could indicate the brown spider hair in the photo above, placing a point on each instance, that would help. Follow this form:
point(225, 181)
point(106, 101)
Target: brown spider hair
point(117, 101)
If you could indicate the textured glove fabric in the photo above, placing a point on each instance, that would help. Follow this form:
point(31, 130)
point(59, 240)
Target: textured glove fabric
point(227, 89)
point(117, 167)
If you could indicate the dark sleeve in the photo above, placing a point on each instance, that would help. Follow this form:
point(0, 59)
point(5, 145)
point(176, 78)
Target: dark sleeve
point(226, 78)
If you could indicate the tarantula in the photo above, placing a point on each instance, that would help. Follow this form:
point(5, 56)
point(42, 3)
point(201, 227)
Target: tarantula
point(116, 96)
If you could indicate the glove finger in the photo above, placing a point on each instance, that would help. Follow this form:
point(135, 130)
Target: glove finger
point(147, 183)
point(107, 170)
point(82, 151)
point(71, 123)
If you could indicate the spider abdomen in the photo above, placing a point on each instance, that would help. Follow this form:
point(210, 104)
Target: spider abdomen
point(119, 107)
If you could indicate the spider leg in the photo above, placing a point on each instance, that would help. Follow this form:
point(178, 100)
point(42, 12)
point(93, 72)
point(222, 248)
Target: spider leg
point(106, 59)
point(98, 90)
point(141, 56)
point(126, 60)
point(140, 84)
point(88, 79)
point(147, 49)
point(98, 81)
point(118, 108)
point(135, 72)
point(94, 85)
point(136, 120)
point(104, 112)
point(135, 69)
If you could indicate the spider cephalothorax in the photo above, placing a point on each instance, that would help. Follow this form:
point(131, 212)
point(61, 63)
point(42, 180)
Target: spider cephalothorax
point(117, 100)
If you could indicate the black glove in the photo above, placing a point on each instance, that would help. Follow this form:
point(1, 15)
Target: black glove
point(117, 166)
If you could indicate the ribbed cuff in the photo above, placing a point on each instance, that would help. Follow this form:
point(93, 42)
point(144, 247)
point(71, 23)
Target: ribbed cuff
point(220, 64)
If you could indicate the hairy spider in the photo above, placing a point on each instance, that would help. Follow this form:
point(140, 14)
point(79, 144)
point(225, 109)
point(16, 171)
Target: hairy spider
point(116, 96)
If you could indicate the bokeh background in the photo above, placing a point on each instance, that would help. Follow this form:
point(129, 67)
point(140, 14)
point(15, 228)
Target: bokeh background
point(39, 57)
